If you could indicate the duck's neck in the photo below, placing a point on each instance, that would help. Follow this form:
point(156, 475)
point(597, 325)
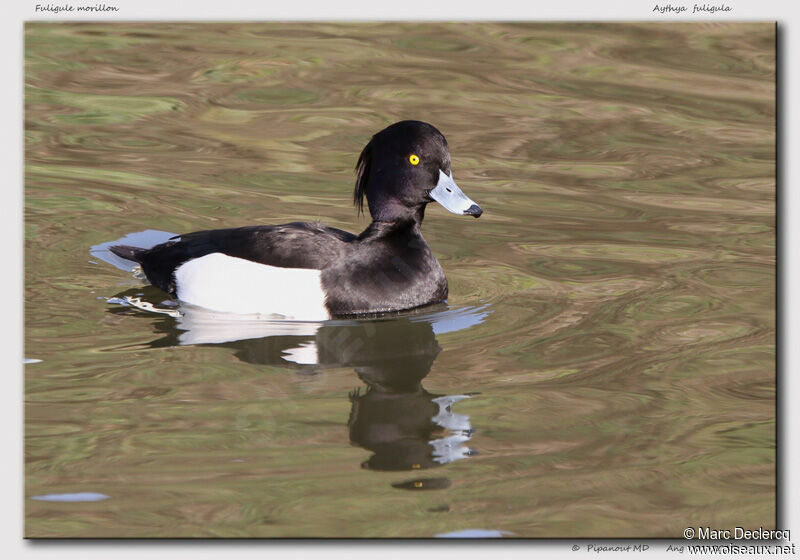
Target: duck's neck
point(392, 210)
point(378, 229)
point(406, 225)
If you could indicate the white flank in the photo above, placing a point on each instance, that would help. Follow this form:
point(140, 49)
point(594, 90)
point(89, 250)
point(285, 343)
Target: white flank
point(235, 285)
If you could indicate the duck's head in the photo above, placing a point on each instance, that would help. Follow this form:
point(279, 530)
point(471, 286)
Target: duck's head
point(403, 168)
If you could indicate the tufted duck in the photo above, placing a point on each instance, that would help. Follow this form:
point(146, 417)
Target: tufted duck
point(308, 271)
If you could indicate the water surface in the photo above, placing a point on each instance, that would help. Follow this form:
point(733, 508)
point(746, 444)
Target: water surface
point(604, 367)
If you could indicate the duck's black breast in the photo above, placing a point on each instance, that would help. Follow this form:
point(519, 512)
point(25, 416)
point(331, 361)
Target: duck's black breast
point(389, 267)
point(295, 245)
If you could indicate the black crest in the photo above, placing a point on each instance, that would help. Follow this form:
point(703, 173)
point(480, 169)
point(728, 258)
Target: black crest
point(362, 176)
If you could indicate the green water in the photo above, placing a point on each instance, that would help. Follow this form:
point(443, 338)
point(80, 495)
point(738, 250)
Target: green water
point(604, 367)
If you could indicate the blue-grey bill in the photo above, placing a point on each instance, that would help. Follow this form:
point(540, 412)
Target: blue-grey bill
point(447, 193)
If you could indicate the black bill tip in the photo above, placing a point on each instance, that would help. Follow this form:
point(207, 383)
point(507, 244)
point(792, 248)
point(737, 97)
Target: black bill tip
point(474, 210)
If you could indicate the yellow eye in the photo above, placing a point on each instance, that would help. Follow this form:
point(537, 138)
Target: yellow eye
point(414, 159)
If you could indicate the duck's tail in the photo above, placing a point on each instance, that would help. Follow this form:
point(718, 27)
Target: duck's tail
point(127, 252)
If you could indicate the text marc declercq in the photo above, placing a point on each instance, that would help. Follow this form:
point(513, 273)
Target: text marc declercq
point(740, 533)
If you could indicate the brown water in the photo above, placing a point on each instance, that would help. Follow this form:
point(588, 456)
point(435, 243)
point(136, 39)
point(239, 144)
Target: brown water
point(605, 365)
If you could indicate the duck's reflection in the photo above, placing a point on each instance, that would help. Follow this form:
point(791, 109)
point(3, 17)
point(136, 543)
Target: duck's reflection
point(404, 426)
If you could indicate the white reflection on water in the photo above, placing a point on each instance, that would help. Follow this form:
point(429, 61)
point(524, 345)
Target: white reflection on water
point(474, 534)
point(450, 448)
point(73, 497)
point(144, 239)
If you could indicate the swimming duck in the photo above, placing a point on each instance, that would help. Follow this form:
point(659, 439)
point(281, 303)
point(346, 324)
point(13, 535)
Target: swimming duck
point(308, 271)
